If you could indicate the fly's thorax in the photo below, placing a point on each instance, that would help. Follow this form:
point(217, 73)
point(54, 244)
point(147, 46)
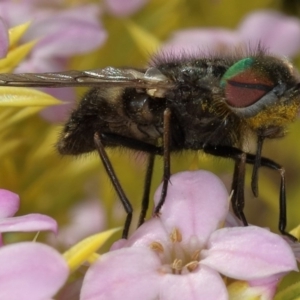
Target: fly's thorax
point(264, 92)
point(144, 114)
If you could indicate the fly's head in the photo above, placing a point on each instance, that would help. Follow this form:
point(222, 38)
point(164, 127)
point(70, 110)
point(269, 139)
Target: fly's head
point(264, 91)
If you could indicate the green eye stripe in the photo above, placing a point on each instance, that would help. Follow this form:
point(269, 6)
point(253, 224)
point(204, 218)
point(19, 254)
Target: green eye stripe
point(237, 68)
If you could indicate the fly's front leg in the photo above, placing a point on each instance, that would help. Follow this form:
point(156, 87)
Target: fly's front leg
point(265, 162)
point(238, 187)
point(238, 182)
point(256, 165)
point(237, 154)
point(166, 157)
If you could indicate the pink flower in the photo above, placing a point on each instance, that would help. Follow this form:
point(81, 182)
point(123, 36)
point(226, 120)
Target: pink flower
point(31, 271)
point(278, 33)
point(3, 39)
point(9, 205)
point(61, 33)
point(78, 227)
point(124, 8)
point(181, 254)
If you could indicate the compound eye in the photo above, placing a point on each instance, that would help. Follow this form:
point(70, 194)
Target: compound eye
point(245, 84)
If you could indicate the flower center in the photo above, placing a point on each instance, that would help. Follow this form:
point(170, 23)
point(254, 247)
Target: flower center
point(176, 258)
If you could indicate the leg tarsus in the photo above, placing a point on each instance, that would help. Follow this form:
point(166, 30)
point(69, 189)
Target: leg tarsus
point(147, 187)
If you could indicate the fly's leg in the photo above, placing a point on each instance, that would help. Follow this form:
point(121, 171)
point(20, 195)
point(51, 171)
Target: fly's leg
point(256, 165)
point(114, 180)
point(113, 139)
point(235, 154)
point(268, 163)
point(238, 184)
point(153, 150)
point(147, 187)
point(166, 157)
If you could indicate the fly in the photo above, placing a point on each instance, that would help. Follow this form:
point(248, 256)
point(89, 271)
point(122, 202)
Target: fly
point(214, 104)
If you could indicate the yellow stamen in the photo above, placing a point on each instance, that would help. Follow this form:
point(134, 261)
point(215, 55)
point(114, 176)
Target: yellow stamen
point(196, 255)
point(176, 236)
point(157, 247)
point(177, 265)
point(191, 266)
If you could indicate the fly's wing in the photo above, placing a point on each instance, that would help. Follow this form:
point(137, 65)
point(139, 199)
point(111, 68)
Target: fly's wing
point(149, 78)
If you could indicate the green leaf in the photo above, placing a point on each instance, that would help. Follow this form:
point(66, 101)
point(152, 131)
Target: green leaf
point(147, 42)
point(15, 56)
point(17, 96)
point(16, 33)
point(86, 248)
point(290, 293)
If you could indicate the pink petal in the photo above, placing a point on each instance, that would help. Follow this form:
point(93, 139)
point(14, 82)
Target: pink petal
point(68, 32)
point(76, 38)
point(3, 39)
point(36, 64)
point(248, 253)
point(279, 33)
point(129, 273)
point(295, 248)
point(200, 42)
point(202, 284)
point(9, 203)
point(79, 228)
point(150, 231)
point(61, 33)
point(196, 204)
point(232, 220)
point(31, 222)
point(124, 8)
point(266, 287)
point(70, 290)
point(59, 113)
point(31, 271)
point(15, 13)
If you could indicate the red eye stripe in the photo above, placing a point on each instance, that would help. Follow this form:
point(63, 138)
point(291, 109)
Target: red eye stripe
point(246, 88)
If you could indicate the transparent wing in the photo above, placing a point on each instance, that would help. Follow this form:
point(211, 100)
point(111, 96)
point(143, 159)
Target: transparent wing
point(149, 78)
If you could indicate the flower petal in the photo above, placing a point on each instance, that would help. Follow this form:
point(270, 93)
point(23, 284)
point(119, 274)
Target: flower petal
point(81, 32)
point(128, 273)
point(279, 33)
point(295, 248)
point(78, 227)
point(196, 204)
point(201, 42)
point(4, 41)
point(9, 203)
point(242, 290)
point(31, 271)
point(145, 235)
point(248, 253)
point(202, 284)
point(124, 8)
point(31, 222)
point(59, 113)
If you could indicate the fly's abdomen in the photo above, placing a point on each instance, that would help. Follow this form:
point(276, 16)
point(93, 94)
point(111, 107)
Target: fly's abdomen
point(116, 112)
